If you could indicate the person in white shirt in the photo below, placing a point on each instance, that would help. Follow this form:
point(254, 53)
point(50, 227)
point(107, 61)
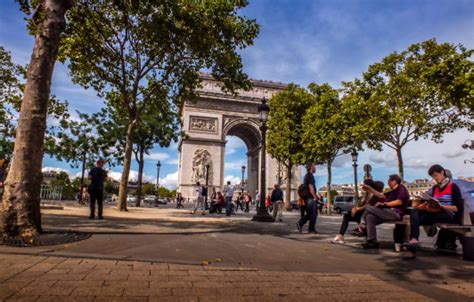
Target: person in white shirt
point(200, 199)
point(229, 193)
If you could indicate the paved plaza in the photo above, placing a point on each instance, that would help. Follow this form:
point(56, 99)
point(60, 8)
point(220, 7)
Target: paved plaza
point(167, 254)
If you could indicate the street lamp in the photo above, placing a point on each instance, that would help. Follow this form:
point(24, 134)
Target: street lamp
point(354, 155)
point(262, 213)
point(206, 205)
point(242, 182)
point(158, 167)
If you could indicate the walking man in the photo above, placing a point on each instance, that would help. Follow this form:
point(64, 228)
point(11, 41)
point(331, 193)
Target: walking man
point(248, 200)
point(200, 199)
point(97, 176)
point(229, 193)
point(310, 201)
point(276, 200)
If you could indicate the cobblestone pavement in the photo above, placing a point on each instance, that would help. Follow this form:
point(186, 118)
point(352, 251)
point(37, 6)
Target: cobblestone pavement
point(157, 255)
point(36, 278)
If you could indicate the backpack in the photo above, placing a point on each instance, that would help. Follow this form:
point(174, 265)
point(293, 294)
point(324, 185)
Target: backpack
point(204, 191)
point(303, 191)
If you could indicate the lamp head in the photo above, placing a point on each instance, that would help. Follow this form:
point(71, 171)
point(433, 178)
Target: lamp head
point(158, 164)
point(263, 109)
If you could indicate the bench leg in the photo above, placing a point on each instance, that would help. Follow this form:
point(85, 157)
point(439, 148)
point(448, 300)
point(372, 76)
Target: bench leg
point(468, 248)
point(400, 233)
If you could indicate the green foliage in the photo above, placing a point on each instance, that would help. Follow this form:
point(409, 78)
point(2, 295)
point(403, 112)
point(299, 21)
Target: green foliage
point(69, 190)
point(110, 187)
point(164, 192)
point(324, 125)
point(12, 84)
point(285, 124)
point(422, 92)
point(148, 189)
point(77, 138)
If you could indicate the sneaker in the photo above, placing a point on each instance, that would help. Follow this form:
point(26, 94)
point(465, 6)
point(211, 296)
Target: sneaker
point(370, 244)
point(298, 226)
point(338, 240)
point(280, 220)
point(101, 217)
point(91, 217)
point(313, 232)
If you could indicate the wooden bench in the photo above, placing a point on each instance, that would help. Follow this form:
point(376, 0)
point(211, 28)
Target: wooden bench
point(465, 230)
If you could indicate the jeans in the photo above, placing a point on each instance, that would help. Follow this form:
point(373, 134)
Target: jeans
point(277, 209)
point(419, 218)
point(347, 218)
point(199, 203)
point(374, 216)
point(311, 215)
point(247, 207)
point(228, 205)
point(96, 195)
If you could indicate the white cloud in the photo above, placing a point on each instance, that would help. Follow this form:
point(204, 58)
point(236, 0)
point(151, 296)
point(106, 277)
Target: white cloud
point(54, 169)
point(416, 164)
point(170, 181)
point(234, 180)
point(233, 144)
point(157, 156)
point(234, 165)
point(133, 176)
point(454, 153)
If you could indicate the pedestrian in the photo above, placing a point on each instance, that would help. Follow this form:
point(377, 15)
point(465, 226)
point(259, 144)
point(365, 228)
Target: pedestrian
point(443, 204)
point(276, 200)
point(248, 200)
point(392, 207)
point(179, 201)
point(200, 199)
point(229, 193)
point(238, 202)
point(97, 176)
point(310, 197)
point(355, 215)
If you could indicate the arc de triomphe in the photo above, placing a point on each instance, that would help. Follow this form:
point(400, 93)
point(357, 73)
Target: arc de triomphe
point(208, 120)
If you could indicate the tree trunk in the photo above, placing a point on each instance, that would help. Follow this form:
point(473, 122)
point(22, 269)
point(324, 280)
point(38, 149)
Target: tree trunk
point(289, 177)
point(122, 198)
point(400, 162)
point(20, 213)
point(328, 186)
point(141, 163)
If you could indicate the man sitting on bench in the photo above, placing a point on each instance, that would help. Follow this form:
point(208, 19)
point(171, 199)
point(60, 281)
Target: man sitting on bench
point(392, 207)
point(445, 206)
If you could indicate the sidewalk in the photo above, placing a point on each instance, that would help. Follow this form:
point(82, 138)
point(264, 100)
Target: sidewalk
point(147, 253)
point(36, 278)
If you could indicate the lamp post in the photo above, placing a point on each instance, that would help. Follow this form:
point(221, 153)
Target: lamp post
point(242, 181)
point(262, 213)
point(158, 167)
point(206, 206)
point(354, 155)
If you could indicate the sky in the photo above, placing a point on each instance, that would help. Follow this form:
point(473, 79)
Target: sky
point(303, 41)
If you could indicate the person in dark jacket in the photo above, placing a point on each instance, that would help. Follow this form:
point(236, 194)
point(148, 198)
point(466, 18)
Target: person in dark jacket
point(276, 200)
point(445, 206)
point(97, 176)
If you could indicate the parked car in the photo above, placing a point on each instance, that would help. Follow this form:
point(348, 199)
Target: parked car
point(149, 198)
point(162, 201)
point(343, 203)
point(131, 198)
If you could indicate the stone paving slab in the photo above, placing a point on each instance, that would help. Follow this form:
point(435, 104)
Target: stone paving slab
point(38, 278)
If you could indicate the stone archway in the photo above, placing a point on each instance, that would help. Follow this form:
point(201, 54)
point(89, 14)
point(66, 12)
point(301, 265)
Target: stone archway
point(207, 120)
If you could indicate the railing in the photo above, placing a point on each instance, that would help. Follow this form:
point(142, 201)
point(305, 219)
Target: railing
point(51, 195)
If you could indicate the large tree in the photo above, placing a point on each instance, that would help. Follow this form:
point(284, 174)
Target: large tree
point(285, 129)
point(130, 51)
point(336, 124)
point(21, 199)
point(425, 92)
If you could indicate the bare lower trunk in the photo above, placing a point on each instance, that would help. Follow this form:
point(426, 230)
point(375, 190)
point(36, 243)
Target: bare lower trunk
point(289, 176)
point(328, 186)
point(400, 162)
point(21, 199)
point(141, 163)
point(122, 198)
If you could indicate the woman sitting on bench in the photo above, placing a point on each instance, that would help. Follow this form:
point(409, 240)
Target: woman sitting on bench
point(356, 213)
point(444, 206)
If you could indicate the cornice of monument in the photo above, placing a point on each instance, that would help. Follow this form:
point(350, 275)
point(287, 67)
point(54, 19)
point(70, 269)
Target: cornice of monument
point(255, 82)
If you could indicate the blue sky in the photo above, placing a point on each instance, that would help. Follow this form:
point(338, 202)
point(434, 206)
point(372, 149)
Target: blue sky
point(304, 41)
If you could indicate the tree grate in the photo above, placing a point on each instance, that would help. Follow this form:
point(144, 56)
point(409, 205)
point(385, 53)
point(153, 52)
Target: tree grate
point(46, 238)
